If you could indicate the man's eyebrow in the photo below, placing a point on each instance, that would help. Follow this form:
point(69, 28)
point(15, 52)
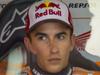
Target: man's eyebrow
point(40, 33)
point(60, 33)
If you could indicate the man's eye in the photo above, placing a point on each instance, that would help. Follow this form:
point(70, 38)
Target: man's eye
point(42, 37)
point(61, 37)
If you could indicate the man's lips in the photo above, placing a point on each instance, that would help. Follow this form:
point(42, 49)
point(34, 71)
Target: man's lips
point(54, 60)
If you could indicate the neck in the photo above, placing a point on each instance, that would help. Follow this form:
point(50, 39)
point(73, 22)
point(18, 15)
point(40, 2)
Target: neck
point(38, 71)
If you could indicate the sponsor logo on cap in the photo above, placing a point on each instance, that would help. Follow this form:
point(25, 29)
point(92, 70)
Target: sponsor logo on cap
point(44, 5)
point(47, 11)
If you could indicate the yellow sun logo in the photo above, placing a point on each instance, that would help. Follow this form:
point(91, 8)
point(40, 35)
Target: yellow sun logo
point(47, 3)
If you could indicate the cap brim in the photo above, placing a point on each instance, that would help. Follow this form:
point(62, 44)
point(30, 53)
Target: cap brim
point(50, 20)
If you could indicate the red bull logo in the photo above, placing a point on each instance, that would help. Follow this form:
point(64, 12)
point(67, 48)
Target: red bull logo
point(44, 5)
point(48, 12)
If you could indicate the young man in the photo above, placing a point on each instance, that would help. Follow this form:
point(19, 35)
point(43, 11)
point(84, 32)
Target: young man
point(50, 37)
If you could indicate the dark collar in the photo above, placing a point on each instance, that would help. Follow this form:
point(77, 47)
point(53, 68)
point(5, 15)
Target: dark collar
point(38, 71)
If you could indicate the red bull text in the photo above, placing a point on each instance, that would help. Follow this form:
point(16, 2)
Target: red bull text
point(48, 12)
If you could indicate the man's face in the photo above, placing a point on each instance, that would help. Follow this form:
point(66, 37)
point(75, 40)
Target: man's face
point(51, 43)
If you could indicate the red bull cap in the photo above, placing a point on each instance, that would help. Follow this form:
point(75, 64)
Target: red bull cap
point(46, 10)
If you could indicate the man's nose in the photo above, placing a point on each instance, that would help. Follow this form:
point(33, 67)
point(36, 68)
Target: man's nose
point(53, 47)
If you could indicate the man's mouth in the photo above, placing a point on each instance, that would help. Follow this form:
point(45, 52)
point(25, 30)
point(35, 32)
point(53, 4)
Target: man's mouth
point(54, 60)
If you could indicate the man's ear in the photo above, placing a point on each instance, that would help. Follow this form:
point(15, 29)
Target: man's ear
point(28, 45)
point(73, 41)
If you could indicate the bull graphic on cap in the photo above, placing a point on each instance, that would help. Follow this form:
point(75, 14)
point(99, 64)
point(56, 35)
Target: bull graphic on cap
point(44, 5)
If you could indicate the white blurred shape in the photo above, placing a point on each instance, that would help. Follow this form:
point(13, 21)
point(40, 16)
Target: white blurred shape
point(93, 44)
point(16, 59)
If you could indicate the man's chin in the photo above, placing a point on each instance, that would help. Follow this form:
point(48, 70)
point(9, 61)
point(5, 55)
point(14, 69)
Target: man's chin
point(54, 69)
